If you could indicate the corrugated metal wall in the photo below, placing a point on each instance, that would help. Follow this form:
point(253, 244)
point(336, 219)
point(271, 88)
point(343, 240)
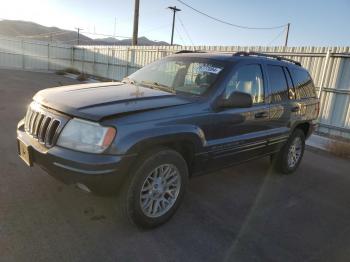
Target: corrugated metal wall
point(34, 55)
point(331, 73)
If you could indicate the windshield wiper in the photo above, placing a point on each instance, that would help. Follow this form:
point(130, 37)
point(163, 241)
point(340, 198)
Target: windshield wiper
point(156, 85)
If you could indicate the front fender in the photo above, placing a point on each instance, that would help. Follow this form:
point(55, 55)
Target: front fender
point(132, 142)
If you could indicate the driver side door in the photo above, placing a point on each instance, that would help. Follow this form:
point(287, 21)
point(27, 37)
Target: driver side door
point(240, 134)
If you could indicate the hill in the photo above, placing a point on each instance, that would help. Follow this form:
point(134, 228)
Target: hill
point(34, 31)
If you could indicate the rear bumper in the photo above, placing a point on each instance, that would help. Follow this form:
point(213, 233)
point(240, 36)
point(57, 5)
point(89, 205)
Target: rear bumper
point(102, 174)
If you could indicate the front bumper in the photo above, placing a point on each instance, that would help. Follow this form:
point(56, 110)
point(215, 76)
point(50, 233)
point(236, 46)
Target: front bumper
point(102, 174)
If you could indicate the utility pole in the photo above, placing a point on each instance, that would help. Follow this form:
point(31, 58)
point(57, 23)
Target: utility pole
point(172, 31)
point(287, 34)
point(136, 22)
point(78, 29)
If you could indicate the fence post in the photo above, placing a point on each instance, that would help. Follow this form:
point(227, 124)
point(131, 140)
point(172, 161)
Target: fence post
point(94, 61)
point(324, 71)
point(127, 62)
point(48, 56)
point(83, 62)
point(72, 57)
point(107, 66)
point(23, 55)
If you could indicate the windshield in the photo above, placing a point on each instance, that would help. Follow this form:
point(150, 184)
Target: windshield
point(187, 75)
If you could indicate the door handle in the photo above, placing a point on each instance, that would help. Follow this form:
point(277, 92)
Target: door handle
point(295, 109)
point(261, 115)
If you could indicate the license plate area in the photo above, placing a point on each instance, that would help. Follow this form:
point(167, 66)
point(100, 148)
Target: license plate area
point(24, 153)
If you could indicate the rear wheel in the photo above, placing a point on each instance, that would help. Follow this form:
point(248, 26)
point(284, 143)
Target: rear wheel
point(291, 154)
point(155, 189)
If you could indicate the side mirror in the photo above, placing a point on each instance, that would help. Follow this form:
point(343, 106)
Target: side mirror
point(237, 99)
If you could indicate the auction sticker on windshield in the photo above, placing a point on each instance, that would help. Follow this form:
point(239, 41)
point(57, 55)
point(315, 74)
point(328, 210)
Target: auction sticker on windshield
point(206, 68)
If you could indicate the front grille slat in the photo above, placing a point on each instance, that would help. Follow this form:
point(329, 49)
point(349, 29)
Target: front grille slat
point(30, 115)
point(37, 124)
point(26, 122)
point(32, 124)
point(50, 132)
point(43, 125)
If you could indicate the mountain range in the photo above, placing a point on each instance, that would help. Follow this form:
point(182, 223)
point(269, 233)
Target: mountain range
point(34, 31)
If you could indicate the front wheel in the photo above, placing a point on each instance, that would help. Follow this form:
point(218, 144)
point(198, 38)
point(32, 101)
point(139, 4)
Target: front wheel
point(291, 154)
point(155, 189)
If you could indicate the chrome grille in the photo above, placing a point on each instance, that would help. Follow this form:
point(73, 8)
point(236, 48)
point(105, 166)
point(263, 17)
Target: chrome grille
point(43, 125)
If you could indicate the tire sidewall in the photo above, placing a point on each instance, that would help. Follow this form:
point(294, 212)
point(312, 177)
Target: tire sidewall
point(153, 159)
point(284, 163)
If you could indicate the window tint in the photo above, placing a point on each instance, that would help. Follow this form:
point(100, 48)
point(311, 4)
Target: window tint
point(304, 87)
point(278, 83)
point(247, 79)
point(291, 91)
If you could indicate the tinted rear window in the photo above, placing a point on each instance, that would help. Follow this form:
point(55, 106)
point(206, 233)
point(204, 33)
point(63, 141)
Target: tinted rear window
point(278, 83)
point(304, 87)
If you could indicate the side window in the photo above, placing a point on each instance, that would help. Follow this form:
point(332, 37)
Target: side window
point(278, 83)
point(291, 90)
point(247, 79)
point(304, 86)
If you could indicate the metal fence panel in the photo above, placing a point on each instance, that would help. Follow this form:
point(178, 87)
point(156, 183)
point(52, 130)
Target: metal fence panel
point(331, 73)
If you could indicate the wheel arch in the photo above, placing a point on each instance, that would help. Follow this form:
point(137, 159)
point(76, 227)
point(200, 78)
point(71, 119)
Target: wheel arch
point(305, 127)
point(185, 145)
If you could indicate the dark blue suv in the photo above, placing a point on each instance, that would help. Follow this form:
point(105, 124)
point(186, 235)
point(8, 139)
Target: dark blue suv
point(178, 117)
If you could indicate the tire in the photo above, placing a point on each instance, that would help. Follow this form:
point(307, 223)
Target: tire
point(145, 200)
point(288, 159)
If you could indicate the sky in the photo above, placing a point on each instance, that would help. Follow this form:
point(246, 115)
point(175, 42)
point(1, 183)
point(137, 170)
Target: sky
point(313, 23)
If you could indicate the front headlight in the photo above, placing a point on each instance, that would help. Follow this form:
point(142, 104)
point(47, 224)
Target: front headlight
point(86, 136)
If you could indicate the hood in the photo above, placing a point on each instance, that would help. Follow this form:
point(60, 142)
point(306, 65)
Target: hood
point(99, 100)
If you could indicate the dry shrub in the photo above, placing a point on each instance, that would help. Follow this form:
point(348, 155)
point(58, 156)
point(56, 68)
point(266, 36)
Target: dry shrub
point(82, 77)
point(60, 72)
point(72, 70)
point(339, 148)
point(102, 79)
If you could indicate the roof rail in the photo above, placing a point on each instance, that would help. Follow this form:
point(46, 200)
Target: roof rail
point(266, 55)
point(189, 51)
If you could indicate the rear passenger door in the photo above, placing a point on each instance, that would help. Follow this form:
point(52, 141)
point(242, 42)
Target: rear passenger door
point(282, 106)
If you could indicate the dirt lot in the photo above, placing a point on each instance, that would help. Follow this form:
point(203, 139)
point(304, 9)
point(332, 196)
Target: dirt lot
point(245, 213)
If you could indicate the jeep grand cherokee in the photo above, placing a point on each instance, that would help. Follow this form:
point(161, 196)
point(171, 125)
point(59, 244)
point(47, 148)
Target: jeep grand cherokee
point(178, 117)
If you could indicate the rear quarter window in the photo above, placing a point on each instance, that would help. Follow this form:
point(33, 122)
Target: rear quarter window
point(303, 84)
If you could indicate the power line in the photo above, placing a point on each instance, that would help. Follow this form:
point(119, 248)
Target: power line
point(117, 36)
point(228, 23)
point(277, 36)
point(180, 36)
point(185, 30)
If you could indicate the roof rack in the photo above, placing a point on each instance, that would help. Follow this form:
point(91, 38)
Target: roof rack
point(266, 55)
point(189, 51)
point(243, 53)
